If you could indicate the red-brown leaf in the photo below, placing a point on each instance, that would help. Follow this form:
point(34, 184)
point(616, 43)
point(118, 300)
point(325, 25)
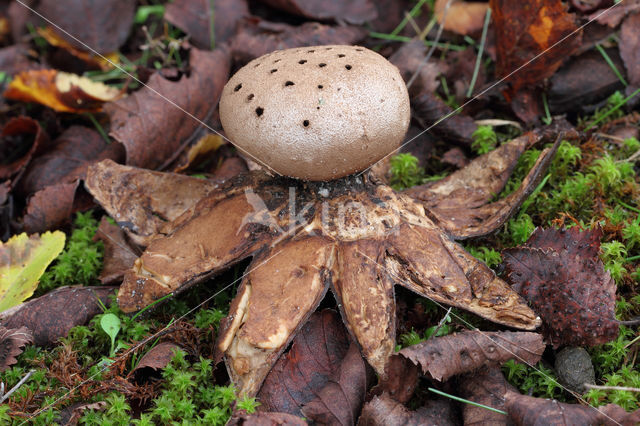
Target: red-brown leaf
point(527, 410)
point(151, 128)
point(194, 17)
point(12, 340)
point(158, 357)
point(49, 207)
point(526, 29)
point(559, 273)
point(67, 161)
point(51, 316)
point(104, 26)
point(447, 356)
point(340, 401)
point(355, 12)
point(299, 375)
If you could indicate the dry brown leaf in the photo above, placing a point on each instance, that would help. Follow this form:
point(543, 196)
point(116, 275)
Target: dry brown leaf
point(340, 401)
point(447, 356)
point(527, 410)
point(314, 356)
point(50, 207)
point(240, 418)
point(463, 17)
point(104, 63)
point(18, 133)
point(430, 109)
point(256, 37)
point(355, 12)
point(61, 91)
point(104, 26)
point(67, 159)
point(385, 411)
point(487, 387)
point(153, 129)
point(157, 357)
point(409, 59)
point(12, 340)
point(51, 316)
point(561, 275)
point(69, 416)
point(194, 18)
point(14, 59)
point(526, 29)
point(630, 47)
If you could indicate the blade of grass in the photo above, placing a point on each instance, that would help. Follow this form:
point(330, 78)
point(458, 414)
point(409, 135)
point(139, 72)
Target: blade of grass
point(611, 64)
point(98, 127)
point(614, 109)
point(212, 24)
point(628, 207)
point(483, 37)
point(405, 39)
point(466, 401)
point(413, 12)
point(547, 115)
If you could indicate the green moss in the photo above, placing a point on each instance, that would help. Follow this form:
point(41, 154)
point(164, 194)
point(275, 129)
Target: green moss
point(484, 140)
point(81, 260)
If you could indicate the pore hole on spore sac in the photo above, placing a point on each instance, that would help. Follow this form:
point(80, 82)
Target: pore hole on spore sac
point(273, 70)
point(302, 61)
point(238, 87)
point(348, 67)
point(322, 65)
point(250, 97)
point(289, 83)
point(305, 123)
point(259, 111)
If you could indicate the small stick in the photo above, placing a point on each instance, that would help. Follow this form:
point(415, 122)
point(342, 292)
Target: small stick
point(618, 388)
point(15, 388)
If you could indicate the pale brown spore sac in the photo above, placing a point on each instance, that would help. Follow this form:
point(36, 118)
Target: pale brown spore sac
point(316, 113)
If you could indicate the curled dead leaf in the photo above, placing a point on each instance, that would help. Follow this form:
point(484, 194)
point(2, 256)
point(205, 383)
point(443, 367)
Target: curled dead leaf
point(61, 91)
point(12, 340)
point(447, 356)
point(104, 63)
point(17, 134)
point(157, 357)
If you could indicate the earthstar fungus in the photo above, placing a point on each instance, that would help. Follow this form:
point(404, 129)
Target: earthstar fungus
point(353, 235)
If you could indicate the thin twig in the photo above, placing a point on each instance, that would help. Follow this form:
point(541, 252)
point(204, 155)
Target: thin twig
point(441, 323)
point(617, 388)
point(15, 388)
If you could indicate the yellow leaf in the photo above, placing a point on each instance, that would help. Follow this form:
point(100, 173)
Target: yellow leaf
point(23, 260)
point(61, 91)
point(103, 62)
